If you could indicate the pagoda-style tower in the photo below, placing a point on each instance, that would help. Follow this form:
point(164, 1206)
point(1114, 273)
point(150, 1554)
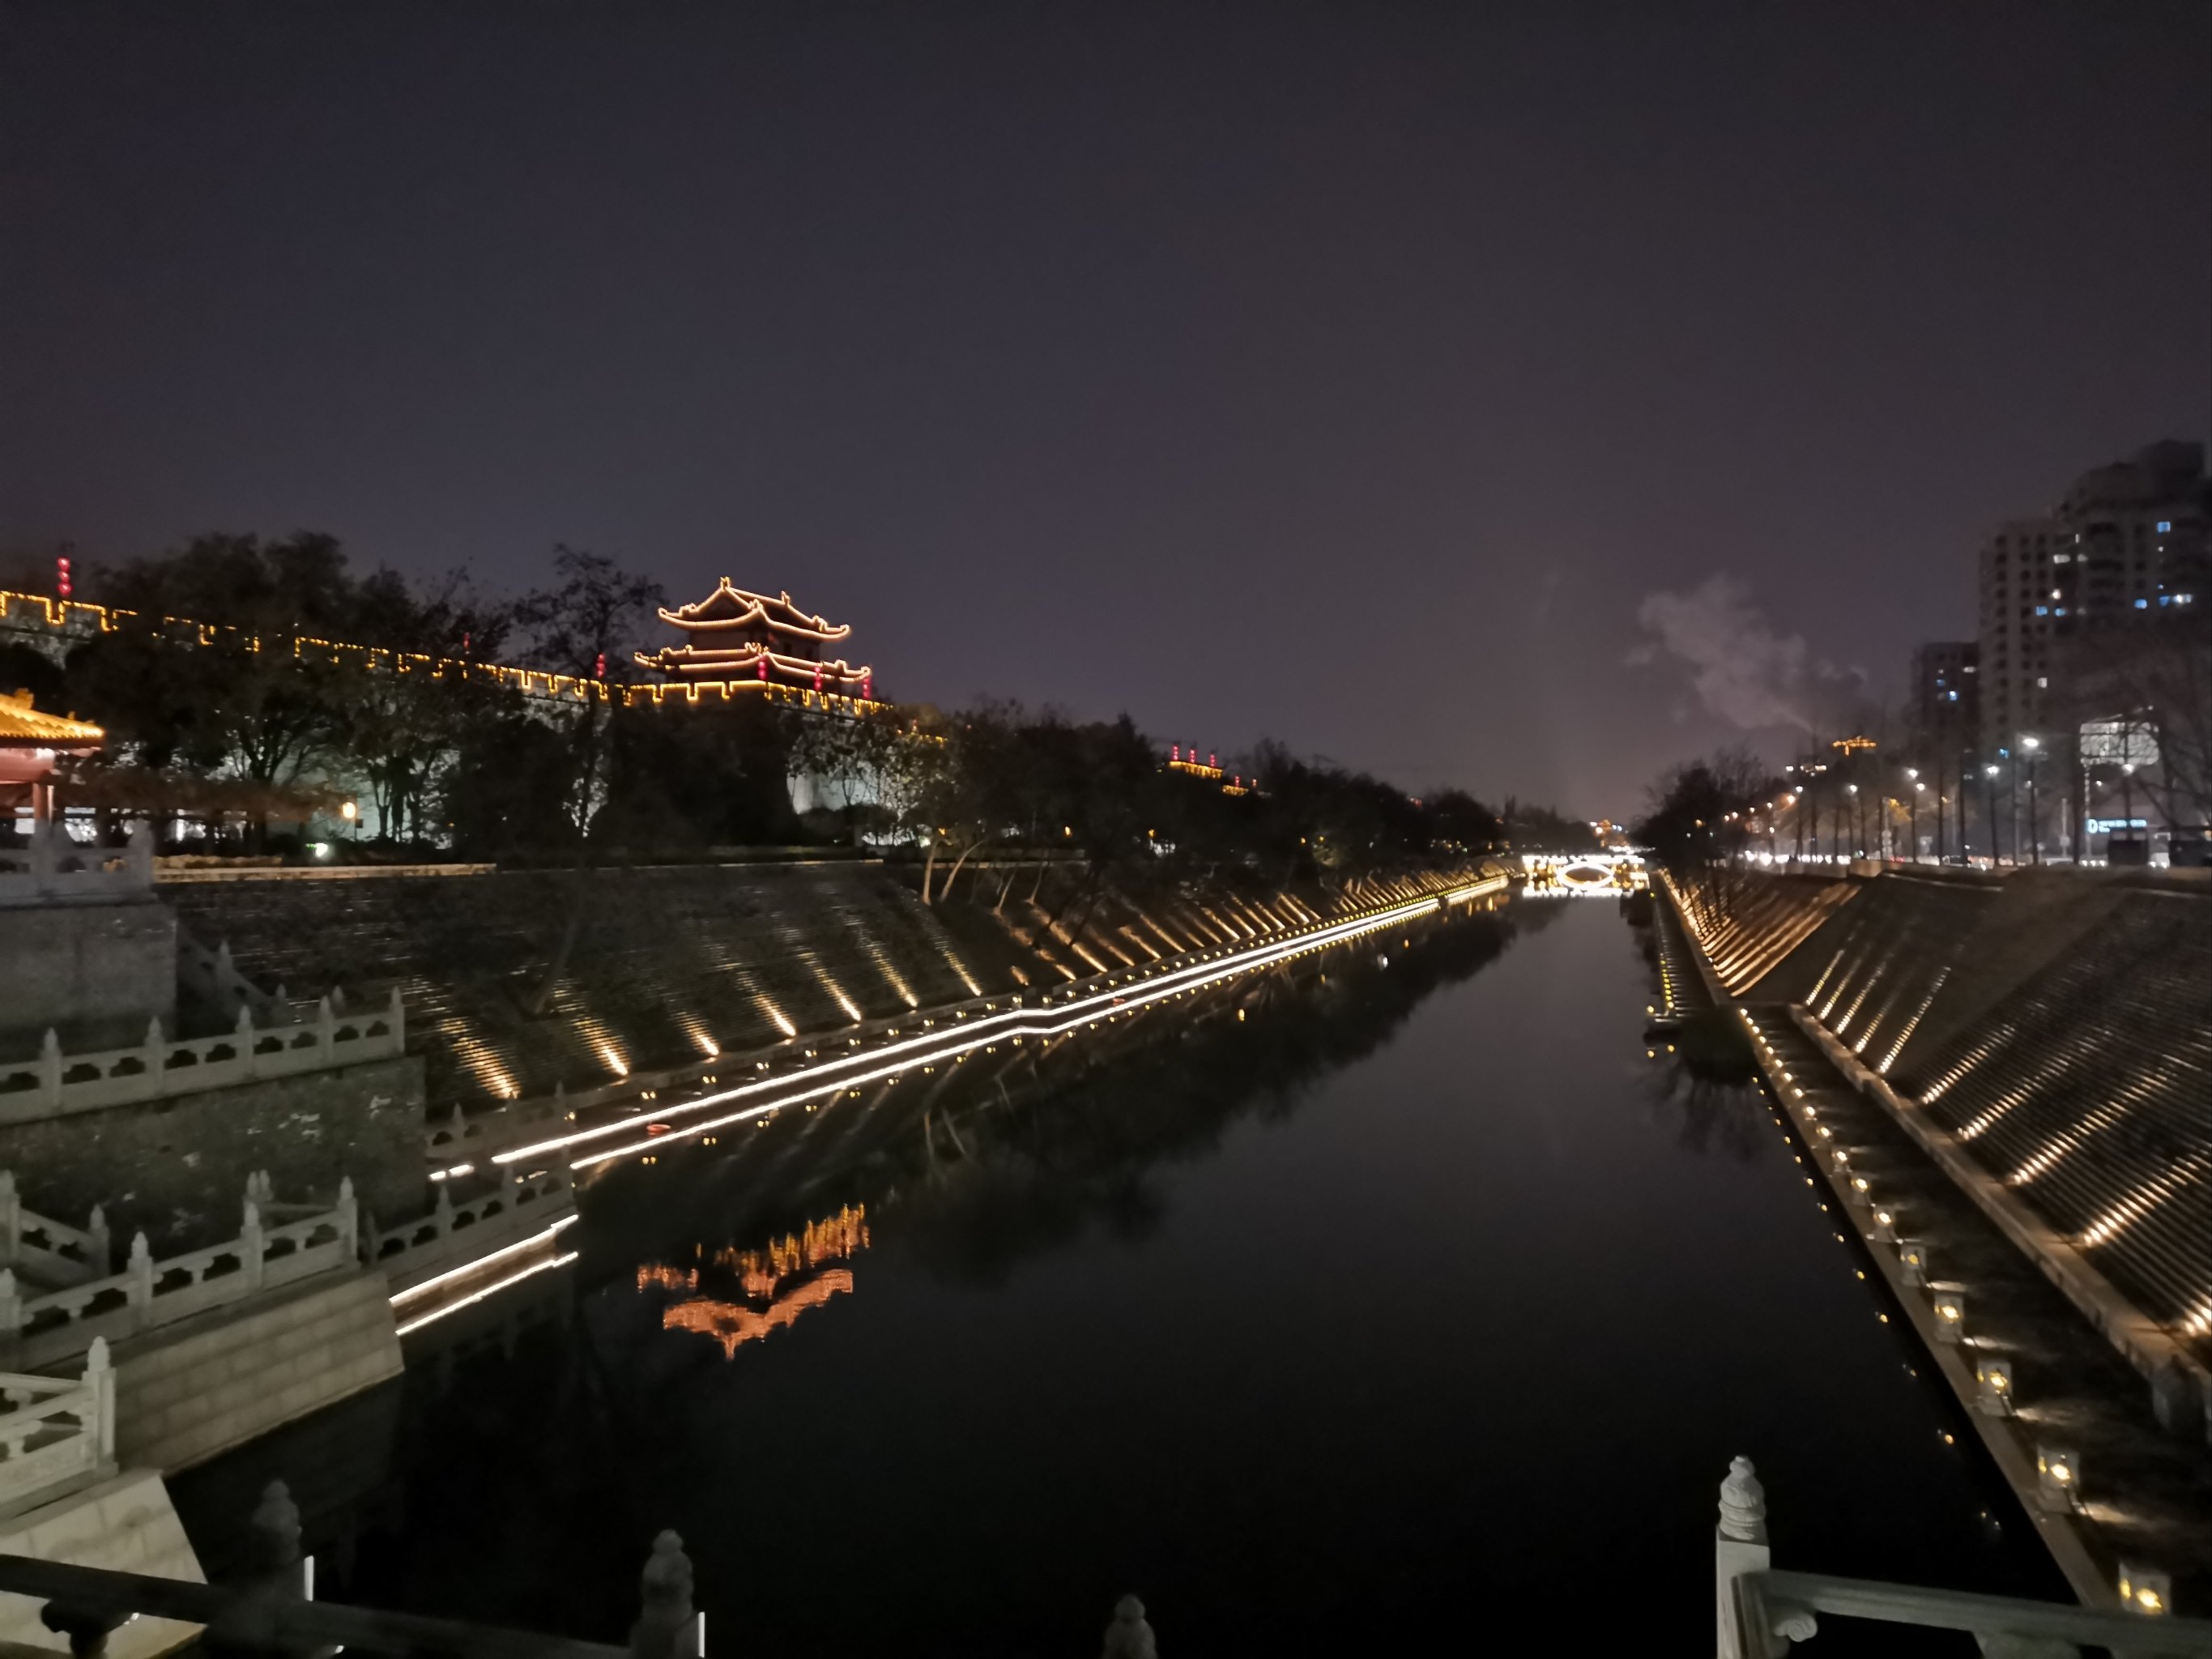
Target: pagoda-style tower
point(733, 636)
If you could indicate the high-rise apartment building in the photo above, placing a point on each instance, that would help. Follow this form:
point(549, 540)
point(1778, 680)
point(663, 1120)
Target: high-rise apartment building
point(1947, 697)
point(2126, 545)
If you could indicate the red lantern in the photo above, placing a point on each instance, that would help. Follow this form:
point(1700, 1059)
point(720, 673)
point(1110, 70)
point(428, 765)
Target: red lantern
point(760, 666)
point(1175, 754)
point(62, 588)
point(867, 688)
point(599, 666)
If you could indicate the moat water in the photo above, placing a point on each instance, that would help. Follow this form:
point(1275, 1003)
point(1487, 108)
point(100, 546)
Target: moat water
point(1418, 1304)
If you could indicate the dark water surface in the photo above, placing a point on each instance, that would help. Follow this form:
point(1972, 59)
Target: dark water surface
point(1411, 1304)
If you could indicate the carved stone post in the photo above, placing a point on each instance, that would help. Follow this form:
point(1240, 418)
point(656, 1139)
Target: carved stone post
point(154, 1057)
point(326, 1027)
point(243, 1037)
point(11, 1218)
point(1739, 1547)
point(396, 1018)
point(273, 1544)
point(100, 1420)
point(138, 859)
point(249, 1246)
point(666, 1626)
point(11, 1303)
point(1130, 1636)
point(349, 1214)
point(441, 1209)
point(99, 1246)
point(49, 1068)
point(139, 1293)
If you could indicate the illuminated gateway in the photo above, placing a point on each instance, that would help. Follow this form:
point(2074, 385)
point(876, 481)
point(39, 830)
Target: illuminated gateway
point(733, 636)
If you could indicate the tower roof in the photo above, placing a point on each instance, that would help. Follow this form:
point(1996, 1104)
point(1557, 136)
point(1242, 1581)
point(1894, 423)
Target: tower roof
point(729, 607)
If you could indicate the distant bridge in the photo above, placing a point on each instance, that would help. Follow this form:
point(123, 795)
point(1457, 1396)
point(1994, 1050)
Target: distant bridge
point(1610, 870)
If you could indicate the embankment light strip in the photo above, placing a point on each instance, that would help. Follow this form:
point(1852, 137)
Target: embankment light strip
point(817, 1081)
point(530, 1272)
point(476, 1262)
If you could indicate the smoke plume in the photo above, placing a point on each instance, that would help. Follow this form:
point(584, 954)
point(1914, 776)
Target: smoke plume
point(1741, 669)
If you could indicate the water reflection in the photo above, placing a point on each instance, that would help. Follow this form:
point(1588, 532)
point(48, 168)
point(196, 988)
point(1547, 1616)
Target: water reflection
point(768, 1288)
point(1006, 1155)
point(1702, 1071)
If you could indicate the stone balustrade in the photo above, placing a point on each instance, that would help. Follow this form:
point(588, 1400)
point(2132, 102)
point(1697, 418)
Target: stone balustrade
point(54, 869)
point(163, 1067)
point(272, 1610)
point(1760, 1612)
point(48, 1251)
point(56, 1433)
point(523, 1203)
point(41, 1329)
point(212, 977)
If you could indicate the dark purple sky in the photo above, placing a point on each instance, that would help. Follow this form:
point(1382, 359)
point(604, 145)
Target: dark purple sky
point(1348, 375)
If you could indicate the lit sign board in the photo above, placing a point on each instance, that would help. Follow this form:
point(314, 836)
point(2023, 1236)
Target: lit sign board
point(2119, 743)
point(2105, 826)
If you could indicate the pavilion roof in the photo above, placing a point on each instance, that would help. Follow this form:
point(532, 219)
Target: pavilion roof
point(730, 606)
point(22, 727)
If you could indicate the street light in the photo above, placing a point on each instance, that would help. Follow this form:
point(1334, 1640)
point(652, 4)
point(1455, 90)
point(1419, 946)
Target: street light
point(2034, 818)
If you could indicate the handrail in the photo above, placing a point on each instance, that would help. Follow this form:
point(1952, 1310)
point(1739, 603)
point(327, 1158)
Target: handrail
point(83, 1451)
point(271, 1613)
point(57, 1251)
point(274, 1624)
point(162, 1066)
point(54, 868)
point(1768, 1600)
point(149, 1293)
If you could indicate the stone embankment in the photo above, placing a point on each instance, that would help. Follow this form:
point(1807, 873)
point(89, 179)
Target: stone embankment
point(2055, 1028)
point(670, 964)
point(2004, 1085)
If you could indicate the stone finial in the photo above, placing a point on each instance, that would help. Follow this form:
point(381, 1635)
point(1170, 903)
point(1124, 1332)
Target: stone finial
point(140, 1250)
point(1743, 1504)
point(664, 1616)
point(1130, 1635)
point(95, 1357)
point(7, 1186)
point(274, 1530)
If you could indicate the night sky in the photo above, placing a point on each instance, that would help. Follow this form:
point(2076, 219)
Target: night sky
point(1351, 375)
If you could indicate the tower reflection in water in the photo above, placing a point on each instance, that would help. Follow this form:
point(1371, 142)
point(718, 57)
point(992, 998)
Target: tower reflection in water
point(766, 1289)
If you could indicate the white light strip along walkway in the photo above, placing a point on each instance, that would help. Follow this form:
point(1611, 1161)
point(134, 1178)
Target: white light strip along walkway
point(845, 1071)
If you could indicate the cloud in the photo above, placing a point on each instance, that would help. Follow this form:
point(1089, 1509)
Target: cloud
point(1741, 668)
